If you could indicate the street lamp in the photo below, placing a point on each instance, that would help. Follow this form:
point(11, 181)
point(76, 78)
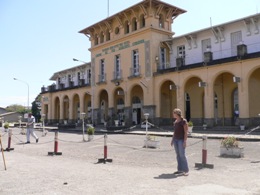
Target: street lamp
point(28, 90)
point(74, 59)
point(92, 94)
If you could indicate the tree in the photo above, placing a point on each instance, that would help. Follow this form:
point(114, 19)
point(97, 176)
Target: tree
point(16, 108)
point(36, 111)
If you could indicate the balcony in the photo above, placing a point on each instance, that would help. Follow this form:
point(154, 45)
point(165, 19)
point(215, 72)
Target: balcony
point(135, 72)
point(163, 66)
point(101, 78)
point(117, 75)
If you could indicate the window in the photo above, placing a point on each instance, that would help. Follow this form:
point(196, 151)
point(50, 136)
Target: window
point(117, 30)
point(181, 51)
point(206, 45)
point(69, 77)
point(161, 21)
point(142, 21)
point(135, 62)
point(96, 39)
point(102, 69)
point(127, 30)
point(180, 60)
point(78, 78)
point(117, 67)
point(107, 35)
point(134, 24)
point(236, 39)
point(102, 37)
point(88, 76)
point(163, 57)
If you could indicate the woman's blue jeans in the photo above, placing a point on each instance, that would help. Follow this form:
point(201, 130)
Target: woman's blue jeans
point(180, 154)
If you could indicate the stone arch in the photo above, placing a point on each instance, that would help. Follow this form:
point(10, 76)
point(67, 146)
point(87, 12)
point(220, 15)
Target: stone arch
point(254, 95)
point(57, 108)
point(137, 98)
point(194, 100)
point(103, 106)
point(168, 100)
point(223, 88)
point(76, 107)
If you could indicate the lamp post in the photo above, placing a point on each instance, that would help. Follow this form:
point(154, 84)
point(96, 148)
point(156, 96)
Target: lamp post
point(92, 94)
point(43, 125)
point(146, 115)
point(20, 121)
point(27, 88)
point(83, 125)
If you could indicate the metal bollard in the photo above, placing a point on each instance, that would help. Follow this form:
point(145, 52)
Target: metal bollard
point(105, 159)
point(2, 151)
point(9, 141)
point(55, 146)
point(204, 156)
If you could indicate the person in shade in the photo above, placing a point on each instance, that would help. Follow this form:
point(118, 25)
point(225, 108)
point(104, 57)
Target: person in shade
point(30, 129)
point(179, 142)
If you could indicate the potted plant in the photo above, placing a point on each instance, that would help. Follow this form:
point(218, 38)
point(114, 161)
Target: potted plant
point(190, 126)
point(6, 126)
point(151, 142)
point(242, 127)
point(230, 146)
point(116, 120)
point(90, 132)
point(123, 120)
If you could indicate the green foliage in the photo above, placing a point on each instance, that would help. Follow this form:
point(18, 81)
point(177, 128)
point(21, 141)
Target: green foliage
point(36, 111)
point(6, 125)
point(90, 130)
point(190, 124)
point(17, 108)
point(229, 142)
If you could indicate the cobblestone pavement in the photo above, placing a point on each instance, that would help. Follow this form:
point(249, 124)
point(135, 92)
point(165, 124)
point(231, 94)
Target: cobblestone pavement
point(133, 170)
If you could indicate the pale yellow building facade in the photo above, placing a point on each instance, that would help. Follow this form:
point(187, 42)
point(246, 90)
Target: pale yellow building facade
point(138, 66)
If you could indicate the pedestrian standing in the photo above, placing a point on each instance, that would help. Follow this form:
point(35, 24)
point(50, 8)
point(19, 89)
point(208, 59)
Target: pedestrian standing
point(179, 141)
point(30, 128)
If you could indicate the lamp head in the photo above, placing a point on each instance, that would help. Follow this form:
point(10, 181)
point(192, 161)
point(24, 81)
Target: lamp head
point(146, 115)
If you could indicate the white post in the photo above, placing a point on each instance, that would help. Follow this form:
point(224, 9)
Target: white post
point(83, 125)
point(19, 118)
point(146, 115)
point(43, 125)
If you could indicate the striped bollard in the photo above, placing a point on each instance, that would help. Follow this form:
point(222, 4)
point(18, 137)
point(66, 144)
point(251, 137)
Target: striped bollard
point(55, 146)
point(9, 141)
point(105, 159)
point(204, 156)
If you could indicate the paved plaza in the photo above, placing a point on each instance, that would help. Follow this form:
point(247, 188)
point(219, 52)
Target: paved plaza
point(133, 170)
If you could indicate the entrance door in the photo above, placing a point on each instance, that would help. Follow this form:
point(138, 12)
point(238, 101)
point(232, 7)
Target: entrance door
point(136, 105)
point(187, 112)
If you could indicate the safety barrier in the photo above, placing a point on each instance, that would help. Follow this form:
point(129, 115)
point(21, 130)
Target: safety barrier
point(55, 146)
point(9, 141)
point(105, 159)
point(2, 152)
point(204, 156)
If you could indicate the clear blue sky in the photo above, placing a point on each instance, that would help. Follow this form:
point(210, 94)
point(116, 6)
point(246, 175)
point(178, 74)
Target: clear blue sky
point(40, 37)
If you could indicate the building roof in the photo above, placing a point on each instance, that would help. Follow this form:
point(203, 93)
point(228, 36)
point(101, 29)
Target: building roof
point(172, 10)
point(79, 68)
point(219, 25)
